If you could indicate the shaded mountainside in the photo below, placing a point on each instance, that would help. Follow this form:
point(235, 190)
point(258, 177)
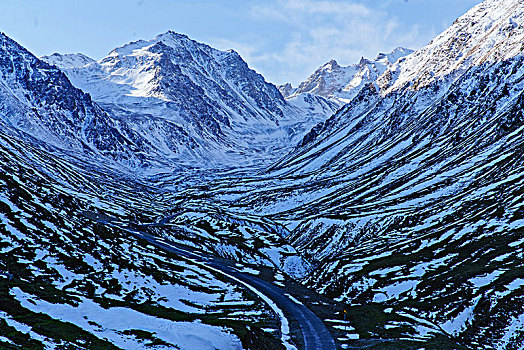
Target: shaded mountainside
point(39, 100)
point(69, 281)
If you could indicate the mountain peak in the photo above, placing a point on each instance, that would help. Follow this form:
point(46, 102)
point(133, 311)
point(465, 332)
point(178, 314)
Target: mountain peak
point(172, 35)
point(330, 66)
point(128, 48)
point(169, 39)
point(363, 61)
point(402, 50)
point(7, 44)
point(394, 55)
point(286, 89)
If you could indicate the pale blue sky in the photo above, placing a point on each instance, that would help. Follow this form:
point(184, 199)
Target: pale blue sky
point(285, 40)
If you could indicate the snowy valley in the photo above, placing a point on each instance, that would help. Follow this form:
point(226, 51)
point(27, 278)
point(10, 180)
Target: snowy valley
point(167, 196)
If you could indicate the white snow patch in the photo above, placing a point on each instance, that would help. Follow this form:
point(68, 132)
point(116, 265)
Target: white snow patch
point(111, 322)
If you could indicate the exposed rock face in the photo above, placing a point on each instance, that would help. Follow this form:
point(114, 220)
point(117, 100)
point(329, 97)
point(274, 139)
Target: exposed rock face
point(286, 89)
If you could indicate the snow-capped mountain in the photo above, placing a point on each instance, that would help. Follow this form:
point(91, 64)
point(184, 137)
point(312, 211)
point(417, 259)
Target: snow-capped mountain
point(183, 100)
point(173, 120)
point(340, 84)
point(410, 197)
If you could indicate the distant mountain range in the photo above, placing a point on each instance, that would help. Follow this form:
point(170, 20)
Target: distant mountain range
point(341, 84)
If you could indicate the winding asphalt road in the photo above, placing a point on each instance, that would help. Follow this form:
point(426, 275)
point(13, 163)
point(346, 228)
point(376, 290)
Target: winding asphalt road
point(315, 335)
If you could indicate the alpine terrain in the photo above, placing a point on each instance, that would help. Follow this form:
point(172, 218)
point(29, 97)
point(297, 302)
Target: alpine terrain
point(168, 197)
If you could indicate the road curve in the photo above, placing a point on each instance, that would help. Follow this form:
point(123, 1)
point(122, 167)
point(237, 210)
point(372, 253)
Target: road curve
point(315, 335)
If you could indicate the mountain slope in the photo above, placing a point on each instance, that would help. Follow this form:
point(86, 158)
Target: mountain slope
point(490, 32)
point(38, 99)
point(67, 281)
